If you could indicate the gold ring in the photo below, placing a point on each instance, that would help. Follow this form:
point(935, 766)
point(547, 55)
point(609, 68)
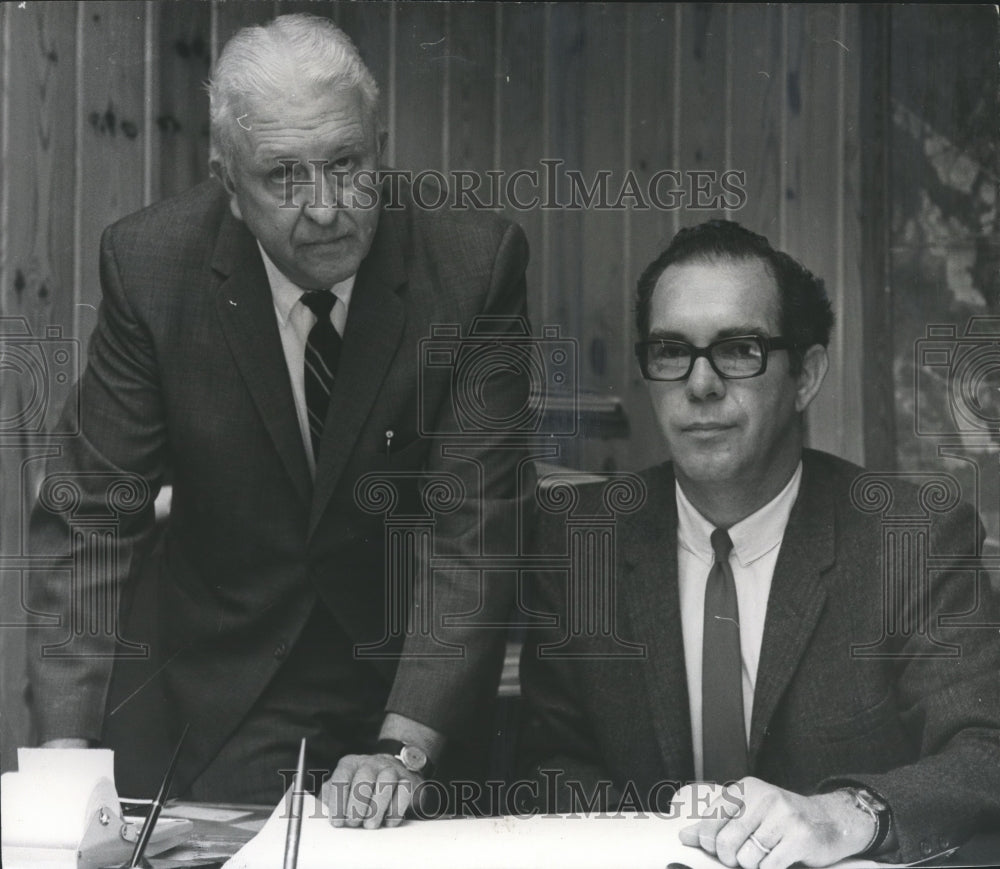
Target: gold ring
point(760, 845)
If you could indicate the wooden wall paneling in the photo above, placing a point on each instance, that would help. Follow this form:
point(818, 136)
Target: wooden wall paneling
point(755, 73)
point(520, 133)
point(228, 16)
point(704, 127)
point(111, 158)
point(183, 60)
point(652, 36)
point(602, 294)
point(815, 202)
point(421, 52)
point(36, 282)
point(370, 26)
point(566, 108)
point(471, 88)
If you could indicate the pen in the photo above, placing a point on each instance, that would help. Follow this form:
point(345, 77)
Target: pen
point(389, 435)
point(295, 817)
point(154, 812)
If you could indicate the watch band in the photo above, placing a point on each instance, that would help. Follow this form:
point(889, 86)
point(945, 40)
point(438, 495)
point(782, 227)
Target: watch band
point(878, 810)
point(414, 758)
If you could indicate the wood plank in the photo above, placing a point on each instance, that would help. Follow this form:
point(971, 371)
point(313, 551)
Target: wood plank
point(521, 134)
point(470, 59)
point(421, 52)
point(231, 15)
point(183, 54)
point(36, 283)
point(755, 74)
point(704, 108)
point(652, 35)
point(602, 299)
point(369, 26)
point(111, 146)
point(566, 109)
point(815, 201)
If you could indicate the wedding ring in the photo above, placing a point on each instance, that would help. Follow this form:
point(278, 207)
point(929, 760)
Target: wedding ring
point(758, 843)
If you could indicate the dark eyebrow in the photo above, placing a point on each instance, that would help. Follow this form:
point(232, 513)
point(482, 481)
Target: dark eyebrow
point(730, 332)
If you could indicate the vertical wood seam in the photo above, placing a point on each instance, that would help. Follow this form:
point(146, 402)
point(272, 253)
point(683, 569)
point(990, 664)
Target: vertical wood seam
point(5, 37)
point(546, 144)
point(783, 135)
point(624, 325)
point(675, 145)
point(727, 109)
point(497, 83)
point(446, 94)
point(78, 171)
point(842, 433)
point(149, 75)
point(390, 99)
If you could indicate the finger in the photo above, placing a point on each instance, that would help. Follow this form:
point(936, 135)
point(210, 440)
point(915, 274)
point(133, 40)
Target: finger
point(336, 788)
point(753, 851)
point(402, 796)
point(385, 785)
point(731, 839)
point(783, 855)
point(719, 813)
point(360, 794)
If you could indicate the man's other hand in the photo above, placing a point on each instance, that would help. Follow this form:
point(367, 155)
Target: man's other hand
point(66, 743)
point(755, 824)
point(367, 790)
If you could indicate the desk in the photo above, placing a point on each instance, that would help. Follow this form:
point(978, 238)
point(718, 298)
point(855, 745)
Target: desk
point(220, 830)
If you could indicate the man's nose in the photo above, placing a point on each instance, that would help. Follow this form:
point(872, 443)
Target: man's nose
point(703, 382)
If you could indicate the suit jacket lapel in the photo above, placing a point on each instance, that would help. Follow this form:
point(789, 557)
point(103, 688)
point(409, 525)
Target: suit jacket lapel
point(798, 594)
point(649, 584)
point(374, 326)
point(246, 312)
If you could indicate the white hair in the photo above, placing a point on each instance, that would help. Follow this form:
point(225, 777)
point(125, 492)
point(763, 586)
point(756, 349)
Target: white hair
point(291, 54)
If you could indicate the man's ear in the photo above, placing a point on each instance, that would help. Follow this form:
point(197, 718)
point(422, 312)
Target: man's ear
point(815, 363)
point(219, 170)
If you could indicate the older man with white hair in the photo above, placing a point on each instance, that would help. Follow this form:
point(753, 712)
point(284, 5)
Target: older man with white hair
point(258, 346)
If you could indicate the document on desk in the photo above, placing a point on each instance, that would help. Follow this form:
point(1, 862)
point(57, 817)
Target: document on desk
point(550, 841)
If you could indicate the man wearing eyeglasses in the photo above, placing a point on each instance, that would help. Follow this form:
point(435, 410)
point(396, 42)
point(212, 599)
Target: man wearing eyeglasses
point(747, 577)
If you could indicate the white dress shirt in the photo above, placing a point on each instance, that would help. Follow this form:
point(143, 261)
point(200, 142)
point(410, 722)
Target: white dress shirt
point(294, 322)
point(756, 542)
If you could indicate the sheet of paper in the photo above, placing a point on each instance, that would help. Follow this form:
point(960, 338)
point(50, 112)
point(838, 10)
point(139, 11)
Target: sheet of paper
point(595, 842)
point(204, 813)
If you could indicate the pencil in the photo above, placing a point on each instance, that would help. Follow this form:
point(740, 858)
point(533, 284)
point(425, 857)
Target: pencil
point(154, 812)
point(295, 818)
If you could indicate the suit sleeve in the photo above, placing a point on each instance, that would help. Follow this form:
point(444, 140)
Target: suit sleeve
point(94, 507)
point(446, 675)
point(556, 745)
point(950, 706)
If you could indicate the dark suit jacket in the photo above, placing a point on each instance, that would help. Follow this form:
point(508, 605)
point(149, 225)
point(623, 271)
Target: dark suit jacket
point(922, 731)
point(187, 378)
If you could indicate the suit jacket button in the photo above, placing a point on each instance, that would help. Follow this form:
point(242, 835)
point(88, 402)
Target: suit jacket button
point(281, 650)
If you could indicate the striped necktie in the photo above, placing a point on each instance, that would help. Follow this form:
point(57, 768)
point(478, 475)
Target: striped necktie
point(322, 354)
point(724, 747)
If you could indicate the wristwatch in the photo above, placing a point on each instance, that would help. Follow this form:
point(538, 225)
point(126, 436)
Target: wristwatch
point(413, 757)
point(878, 810)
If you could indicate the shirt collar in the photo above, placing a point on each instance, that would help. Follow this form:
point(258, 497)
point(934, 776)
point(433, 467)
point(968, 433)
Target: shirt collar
point(286, 293)
point(753, 537)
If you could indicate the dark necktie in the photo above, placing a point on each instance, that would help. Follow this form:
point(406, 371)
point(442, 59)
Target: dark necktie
point(322, 354)
point(724, 748)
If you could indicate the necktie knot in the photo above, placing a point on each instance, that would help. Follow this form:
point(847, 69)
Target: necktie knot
point(722, 544)
point(320, 302)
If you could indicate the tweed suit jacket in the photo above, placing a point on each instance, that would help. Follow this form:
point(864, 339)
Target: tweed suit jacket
point(187, 382)
point(919, 722)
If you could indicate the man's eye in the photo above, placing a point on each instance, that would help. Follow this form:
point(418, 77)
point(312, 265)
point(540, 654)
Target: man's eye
point(669, 351)
point(342, 165)
point(741, 350)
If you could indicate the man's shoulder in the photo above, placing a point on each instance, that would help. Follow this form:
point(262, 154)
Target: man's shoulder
point(188, 218)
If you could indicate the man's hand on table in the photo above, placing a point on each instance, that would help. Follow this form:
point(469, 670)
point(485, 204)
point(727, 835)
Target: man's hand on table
point(775, 828)
point(369, 790)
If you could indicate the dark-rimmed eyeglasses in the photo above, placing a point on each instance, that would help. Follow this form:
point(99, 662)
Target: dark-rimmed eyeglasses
point(733, 358)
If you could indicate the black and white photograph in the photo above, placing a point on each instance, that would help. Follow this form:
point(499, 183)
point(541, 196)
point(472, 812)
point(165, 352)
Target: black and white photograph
point(499, 435)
